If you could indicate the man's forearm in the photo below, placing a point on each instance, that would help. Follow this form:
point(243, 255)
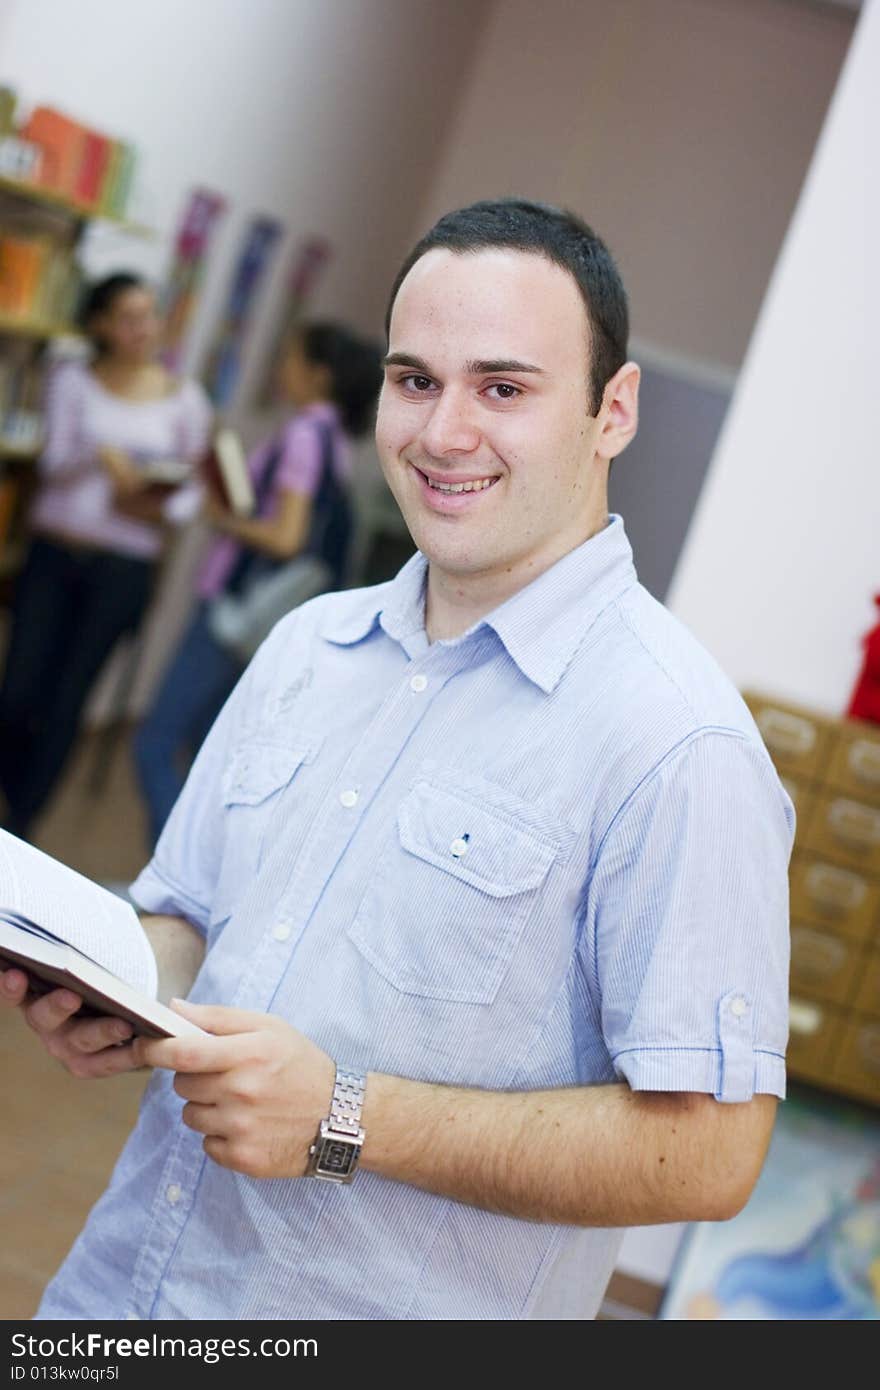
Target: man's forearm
point(587, 1156)
point(179, 950)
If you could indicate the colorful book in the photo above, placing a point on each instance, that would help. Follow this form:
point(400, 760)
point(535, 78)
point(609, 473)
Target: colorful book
point(61, 139)
point(92, 167)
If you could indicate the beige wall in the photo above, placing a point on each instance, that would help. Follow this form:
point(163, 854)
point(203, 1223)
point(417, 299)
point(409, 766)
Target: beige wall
point(681, 128)
point(782, 559)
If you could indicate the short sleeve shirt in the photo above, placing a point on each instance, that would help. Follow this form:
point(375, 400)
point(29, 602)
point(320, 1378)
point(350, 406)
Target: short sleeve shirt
point(550, 852)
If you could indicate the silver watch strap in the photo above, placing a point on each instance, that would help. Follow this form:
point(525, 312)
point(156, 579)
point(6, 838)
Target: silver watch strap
point(347, 1104)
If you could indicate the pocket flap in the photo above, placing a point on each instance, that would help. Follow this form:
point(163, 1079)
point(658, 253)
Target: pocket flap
point(491, 851)
point(259, 769)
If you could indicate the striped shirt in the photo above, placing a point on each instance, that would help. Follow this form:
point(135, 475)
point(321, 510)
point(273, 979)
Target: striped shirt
point(75, 497)
point(550, 852)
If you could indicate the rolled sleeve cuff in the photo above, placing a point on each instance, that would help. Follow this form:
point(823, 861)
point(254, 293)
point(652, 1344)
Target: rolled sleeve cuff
point(154, 893)
point(702, 1069)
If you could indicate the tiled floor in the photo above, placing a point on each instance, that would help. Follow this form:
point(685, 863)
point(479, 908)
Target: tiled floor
point(59, 1137)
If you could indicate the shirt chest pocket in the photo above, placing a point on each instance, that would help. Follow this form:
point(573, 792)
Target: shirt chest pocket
point(254, 782)
point(450, 897)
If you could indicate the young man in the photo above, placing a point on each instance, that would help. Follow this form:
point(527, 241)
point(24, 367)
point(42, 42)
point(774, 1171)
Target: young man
point(490, 865)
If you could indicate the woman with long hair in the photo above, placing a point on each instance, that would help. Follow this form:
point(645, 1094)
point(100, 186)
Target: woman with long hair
point(331, 378)
point(98, 527)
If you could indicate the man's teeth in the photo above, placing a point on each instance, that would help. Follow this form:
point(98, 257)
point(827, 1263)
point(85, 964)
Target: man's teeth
point(477, 486)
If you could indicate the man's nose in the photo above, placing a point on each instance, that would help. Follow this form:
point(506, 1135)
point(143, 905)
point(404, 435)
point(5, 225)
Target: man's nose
point(452, 427)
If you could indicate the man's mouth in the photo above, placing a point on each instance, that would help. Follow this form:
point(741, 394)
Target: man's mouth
point(472, 485)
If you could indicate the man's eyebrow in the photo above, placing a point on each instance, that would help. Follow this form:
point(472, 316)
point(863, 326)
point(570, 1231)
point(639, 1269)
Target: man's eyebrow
point(480, 367)
point(489, 366)
point(405, 359)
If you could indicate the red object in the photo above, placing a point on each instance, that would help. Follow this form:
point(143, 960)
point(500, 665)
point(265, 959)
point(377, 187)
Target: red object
point(865, 700)
point(61, 140)
point(96, 149)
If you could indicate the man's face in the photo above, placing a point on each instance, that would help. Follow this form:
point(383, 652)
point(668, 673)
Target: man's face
point(483, 428)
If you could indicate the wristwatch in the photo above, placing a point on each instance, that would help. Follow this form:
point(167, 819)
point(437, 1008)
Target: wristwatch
point(337, 1147)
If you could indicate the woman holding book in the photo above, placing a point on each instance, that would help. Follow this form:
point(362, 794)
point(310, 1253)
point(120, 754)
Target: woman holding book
point(114, 426)
point(300, 477)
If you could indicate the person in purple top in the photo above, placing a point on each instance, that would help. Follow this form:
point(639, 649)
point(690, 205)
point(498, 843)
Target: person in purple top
point(98, 525)
point(300, 474)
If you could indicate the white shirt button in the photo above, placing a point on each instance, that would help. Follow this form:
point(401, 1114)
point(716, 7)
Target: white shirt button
point(281, 931)
point(173, 1193)
point(458, 848)
point(738, 1006)
point(348, 798)
point(418, 684)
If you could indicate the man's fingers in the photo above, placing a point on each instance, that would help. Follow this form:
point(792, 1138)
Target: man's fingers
point(94, 1034)
point(196, 1054)
point(13, 986)
point(202, 1118)
point(110, 1061)
point(219, 1150)
point(201, 1087)
point(52, 1011)
point(217, 1018)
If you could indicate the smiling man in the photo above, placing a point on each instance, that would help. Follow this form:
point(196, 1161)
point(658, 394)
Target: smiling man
point(486, 869)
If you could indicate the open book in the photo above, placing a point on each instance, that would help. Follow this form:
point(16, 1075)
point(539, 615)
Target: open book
point(66, 932)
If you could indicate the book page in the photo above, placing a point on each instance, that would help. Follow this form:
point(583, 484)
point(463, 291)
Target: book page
point(76, 910)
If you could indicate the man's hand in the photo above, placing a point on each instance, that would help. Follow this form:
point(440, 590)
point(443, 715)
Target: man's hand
point(257, 1089)
point(92, 1047)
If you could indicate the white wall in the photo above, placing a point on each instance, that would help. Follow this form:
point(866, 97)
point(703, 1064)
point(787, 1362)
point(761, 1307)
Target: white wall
point(324, 113)
point(681, 129)
point(783, 553)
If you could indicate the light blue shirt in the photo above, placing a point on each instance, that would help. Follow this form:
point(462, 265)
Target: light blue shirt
point(550, 852)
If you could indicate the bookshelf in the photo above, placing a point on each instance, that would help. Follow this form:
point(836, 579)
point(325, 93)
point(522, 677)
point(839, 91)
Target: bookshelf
point(60, 202)
point(41, 329)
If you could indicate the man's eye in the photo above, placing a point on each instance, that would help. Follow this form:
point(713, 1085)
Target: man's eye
point(417, 383)
point(506, 391)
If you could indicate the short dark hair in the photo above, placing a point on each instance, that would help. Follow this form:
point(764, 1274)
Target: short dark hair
point(561, 237)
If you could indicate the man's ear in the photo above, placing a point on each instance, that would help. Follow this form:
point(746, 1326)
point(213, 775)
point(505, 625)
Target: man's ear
point(619, 414)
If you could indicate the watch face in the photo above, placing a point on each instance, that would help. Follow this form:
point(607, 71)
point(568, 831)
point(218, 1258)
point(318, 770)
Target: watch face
point(337, 1158)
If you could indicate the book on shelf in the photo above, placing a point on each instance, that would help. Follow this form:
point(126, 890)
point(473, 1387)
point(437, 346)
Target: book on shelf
point(66, 932)
point(226, 472)
point(8, 102)
point(39, 280)
point(80, 163)
point(61, 140)
point(118, 177)
point(92, 167)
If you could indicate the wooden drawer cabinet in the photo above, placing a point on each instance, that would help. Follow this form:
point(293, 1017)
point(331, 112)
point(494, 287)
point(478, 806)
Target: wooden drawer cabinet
point(798, 741)
point(857, 1064)
point(823, 965)
point(867, 1000)
point(830, 896)
point(813, 1039)
point(845, 831)
point(854, 765)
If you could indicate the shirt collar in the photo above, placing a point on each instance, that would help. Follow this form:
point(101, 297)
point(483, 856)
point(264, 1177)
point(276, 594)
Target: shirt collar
point(541, 626)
